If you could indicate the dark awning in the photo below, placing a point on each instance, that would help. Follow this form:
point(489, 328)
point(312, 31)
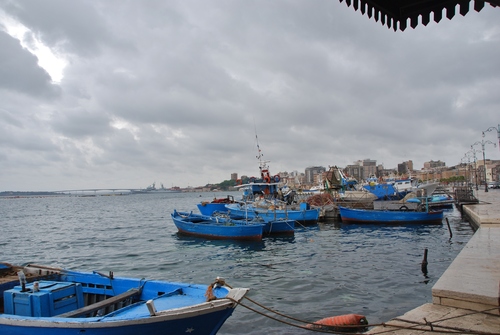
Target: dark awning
point(396, 13)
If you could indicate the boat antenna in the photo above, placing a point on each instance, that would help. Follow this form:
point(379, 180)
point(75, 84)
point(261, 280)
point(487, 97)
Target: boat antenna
point(260, 155)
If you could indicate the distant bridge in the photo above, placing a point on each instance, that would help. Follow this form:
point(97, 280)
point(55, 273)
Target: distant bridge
point(95, 190)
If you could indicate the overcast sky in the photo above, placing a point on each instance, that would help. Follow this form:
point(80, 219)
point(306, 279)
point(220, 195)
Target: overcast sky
point(117, 94)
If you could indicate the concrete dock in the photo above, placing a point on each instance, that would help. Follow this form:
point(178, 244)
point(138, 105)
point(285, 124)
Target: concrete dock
point(466, 299)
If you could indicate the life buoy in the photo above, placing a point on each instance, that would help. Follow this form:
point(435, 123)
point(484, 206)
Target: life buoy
point(252, 179)
point(238, 181)
point(276, 179)
point(267, 179)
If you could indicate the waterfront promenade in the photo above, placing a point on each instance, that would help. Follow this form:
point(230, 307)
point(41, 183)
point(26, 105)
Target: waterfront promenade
point(466, 299)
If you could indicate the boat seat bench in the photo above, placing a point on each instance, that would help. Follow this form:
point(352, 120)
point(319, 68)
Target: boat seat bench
point(101, 304)
point(170, 300)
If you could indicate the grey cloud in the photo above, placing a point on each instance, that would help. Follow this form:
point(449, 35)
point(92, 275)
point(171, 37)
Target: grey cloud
point(193, 81)
point(20, 72)
point(71, 26)
point(80, 123)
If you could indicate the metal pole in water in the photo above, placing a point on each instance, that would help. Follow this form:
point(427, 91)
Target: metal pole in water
point(449, 229)
point(424, 262)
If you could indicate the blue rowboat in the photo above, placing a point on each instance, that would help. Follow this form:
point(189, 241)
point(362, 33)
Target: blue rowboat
point(436, 201)
point(45, 300)
point(304, 215)
point(217, 227)
point(217, 205)
point(209, 208)
point(351, 215)
point(272, 227)
point(279, 227)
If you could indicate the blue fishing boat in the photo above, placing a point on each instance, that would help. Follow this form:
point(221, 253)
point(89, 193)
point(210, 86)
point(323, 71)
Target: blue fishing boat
point(385, 191)
point(279, 227)
point(46, 300)
point(272, 212)
point(439, 199)
point(216, 205)
point(436, 201)
point(267, 186)
point(217, 227)
point(402, 216)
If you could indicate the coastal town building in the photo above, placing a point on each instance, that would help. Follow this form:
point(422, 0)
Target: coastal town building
point(354, 171)
point(434, 164)
point(405, 168)
point(470, 171)
point(362, 169)
point(312, 172)
point(488, 171)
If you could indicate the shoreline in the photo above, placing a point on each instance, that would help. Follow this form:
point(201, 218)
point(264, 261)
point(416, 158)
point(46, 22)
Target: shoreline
point(466, 298)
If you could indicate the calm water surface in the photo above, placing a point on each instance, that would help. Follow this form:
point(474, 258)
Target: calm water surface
point(324, 270)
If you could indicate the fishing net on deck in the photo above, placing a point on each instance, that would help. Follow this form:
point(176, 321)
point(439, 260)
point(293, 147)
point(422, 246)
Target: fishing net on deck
point(320, 199)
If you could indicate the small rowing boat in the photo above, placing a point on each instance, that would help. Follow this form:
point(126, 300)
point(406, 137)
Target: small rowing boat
point(46, 300)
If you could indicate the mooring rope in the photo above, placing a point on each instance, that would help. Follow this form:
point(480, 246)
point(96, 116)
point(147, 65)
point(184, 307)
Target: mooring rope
point(296, 325)
point(300, 224)
point(451, 329)
point(295, 319)
point(431, 325)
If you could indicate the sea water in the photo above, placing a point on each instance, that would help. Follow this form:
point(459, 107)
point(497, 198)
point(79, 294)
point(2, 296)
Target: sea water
point(323, 270)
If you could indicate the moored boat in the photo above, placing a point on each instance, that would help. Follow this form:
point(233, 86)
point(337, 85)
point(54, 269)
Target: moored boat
point(402, 216)
point(47, 300)
point(270, 212)
point(216, 227)
point(216, 205)
point(279, 227)
point(385, 191)
point(436, 201)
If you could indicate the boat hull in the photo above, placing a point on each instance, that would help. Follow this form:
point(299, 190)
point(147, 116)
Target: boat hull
point(350, 215)
point(217, 205)
point(305, 216)
point(280, 227)
point(211, 208)
point(436, 201)
point(216, 228)
point(163, 325)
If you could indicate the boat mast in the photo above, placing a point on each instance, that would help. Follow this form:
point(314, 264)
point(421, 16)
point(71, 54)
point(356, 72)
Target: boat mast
point(262, 163)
